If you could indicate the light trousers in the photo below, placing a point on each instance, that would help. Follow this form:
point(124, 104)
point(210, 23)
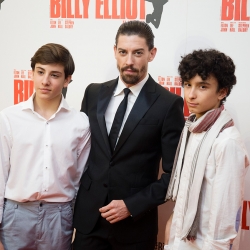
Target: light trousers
point(36, 225)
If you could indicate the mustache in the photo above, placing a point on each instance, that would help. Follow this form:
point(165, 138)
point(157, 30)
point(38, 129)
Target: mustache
point(129, 67)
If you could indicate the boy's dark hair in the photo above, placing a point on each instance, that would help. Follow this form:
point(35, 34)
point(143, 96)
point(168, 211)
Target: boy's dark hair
point(209, 62)
point(138, 28)
point(54, 53)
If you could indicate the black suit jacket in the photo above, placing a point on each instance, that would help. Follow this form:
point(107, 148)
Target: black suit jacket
point(151, 133)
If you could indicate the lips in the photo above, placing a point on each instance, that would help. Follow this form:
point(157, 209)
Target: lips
point(190, 104)
point(45, 90)
point(129, 70)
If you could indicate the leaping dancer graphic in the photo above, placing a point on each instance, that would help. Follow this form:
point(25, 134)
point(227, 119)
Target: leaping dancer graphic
point(155, 17)
point(0, 3)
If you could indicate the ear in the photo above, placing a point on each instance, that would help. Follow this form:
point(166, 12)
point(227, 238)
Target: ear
point(67, 81)
point(115, 50)
point(222, 93)
point(152, 54)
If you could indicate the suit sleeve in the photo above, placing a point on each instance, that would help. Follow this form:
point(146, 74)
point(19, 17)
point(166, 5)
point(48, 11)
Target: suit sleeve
point(154, 194)
point(84, 106)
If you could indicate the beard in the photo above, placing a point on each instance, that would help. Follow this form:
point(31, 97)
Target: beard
point(131, 79)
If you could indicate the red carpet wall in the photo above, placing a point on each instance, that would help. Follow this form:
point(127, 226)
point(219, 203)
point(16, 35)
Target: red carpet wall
point(88, 27)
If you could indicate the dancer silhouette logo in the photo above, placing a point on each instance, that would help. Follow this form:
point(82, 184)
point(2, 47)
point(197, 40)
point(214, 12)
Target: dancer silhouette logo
point(155, 17)
point(1, 3)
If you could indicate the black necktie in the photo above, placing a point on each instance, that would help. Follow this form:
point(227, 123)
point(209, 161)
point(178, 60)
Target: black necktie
point(116, 126)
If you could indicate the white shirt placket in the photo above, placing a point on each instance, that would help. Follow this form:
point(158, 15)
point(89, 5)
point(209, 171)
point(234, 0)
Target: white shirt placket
point(47, 153)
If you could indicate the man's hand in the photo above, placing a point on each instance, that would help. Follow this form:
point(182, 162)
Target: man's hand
point(1, 246)
point(115, 211)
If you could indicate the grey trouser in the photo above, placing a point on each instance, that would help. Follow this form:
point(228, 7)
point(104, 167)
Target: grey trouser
point(36, 225)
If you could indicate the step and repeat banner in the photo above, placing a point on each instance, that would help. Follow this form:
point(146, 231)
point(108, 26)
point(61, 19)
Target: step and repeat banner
point(88, 28)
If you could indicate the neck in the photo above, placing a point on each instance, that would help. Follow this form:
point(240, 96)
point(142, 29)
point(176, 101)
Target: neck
point(46, 108)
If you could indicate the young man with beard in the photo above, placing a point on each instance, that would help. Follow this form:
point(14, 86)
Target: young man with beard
point(135, 123)
point(211, 160)
point(44, 147)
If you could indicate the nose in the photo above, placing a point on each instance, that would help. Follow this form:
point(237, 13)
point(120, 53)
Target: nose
point(129, 59)
point(192, 93)
point(46, 80)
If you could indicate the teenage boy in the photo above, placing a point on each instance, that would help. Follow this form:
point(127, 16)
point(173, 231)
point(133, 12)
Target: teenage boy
point(211, 159)
point(44, 146)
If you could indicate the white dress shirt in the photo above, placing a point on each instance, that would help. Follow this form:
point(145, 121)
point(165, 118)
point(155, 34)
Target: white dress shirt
point(221, 192)
point(117, 98)
point(42, 159)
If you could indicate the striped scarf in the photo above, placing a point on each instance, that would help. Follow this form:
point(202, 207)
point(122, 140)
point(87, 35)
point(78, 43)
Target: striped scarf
point(220, 120)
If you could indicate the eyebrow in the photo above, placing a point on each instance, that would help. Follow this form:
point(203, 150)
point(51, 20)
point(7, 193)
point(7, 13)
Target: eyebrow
point(133, 50)
point(53, 71)
point(203, 82)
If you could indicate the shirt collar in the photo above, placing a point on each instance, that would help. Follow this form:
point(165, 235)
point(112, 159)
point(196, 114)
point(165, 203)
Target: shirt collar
point(135, 89)
point(30, 105)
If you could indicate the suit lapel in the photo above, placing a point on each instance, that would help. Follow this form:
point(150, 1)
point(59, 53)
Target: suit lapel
point(143, 102)
point(105, 95)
